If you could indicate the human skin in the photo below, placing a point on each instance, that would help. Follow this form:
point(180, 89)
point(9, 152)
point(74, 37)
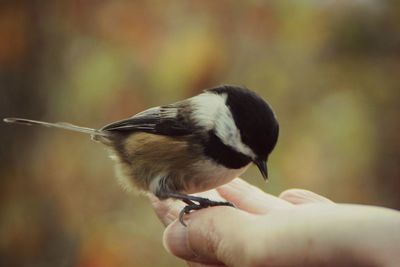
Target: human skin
point(298, 228)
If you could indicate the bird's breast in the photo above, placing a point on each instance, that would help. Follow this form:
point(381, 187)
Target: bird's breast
point(159, 163)
point(207, 174)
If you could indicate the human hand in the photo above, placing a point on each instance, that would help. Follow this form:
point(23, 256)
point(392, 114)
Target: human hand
point(300, 228)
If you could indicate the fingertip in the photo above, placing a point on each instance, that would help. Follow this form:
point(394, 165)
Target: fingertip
point(175, 241)
point(166, 210)
point(301, 196)
point(201, 240)
point(153, 199)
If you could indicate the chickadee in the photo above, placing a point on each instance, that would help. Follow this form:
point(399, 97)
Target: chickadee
point(190, 146)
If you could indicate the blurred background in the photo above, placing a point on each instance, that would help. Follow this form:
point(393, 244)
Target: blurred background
point(330, 69)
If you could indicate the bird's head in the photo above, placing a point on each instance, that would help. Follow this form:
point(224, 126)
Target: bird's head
point(242, 121)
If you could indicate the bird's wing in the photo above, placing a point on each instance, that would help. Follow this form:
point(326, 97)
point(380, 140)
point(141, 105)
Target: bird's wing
point(165, 120)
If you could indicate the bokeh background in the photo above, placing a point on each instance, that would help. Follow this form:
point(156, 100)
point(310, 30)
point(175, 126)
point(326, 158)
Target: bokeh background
point(330, 69)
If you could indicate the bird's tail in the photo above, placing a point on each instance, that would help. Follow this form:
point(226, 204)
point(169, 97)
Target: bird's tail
point(60, 125)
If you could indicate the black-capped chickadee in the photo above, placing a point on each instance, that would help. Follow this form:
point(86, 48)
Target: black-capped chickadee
point(190, 146)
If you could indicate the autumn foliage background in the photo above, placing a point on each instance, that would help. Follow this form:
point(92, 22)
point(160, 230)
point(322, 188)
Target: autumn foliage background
point(330, 69)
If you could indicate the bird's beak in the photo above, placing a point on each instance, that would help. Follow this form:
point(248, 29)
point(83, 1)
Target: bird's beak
point(262, 166)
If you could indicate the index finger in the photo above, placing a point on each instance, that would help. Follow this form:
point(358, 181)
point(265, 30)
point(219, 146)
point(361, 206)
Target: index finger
point(250, 198)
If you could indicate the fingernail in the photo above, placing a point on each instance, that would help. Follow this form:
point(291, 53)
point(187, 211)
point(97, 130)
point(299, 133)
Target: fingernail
point(176, 241)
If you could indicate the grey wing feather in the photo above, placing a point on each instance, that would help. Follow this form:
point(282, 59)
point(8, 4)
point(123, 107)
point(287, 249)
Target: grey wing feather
point(164, 120)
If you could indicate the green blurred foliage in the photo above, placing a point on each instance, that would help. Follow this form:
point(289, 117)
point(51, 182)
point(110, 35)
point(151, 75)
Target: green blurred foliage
point(329, 68)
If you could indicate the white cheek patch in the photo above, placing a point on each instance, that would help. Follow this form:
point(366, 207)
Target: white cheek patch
point(206, 107)
point(211, 112)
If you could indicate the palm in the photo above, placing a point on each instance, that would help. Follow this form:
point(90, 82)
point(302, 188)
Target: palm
point(245, 197)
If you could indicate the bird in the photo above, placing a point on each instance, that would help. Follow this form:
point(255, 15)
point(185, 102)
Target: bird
point(190, 146)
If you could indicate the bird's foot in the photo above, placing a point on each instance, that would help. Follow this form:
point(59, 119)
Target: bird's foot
point(195, 203)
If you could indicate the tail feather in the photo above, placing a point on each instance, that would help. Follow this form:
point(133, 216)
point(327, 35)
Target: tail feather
point(60, 125)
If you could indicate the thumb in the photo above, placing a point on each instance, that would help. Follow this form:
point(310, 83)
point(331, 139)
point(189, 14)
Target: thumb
point(215, 235)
